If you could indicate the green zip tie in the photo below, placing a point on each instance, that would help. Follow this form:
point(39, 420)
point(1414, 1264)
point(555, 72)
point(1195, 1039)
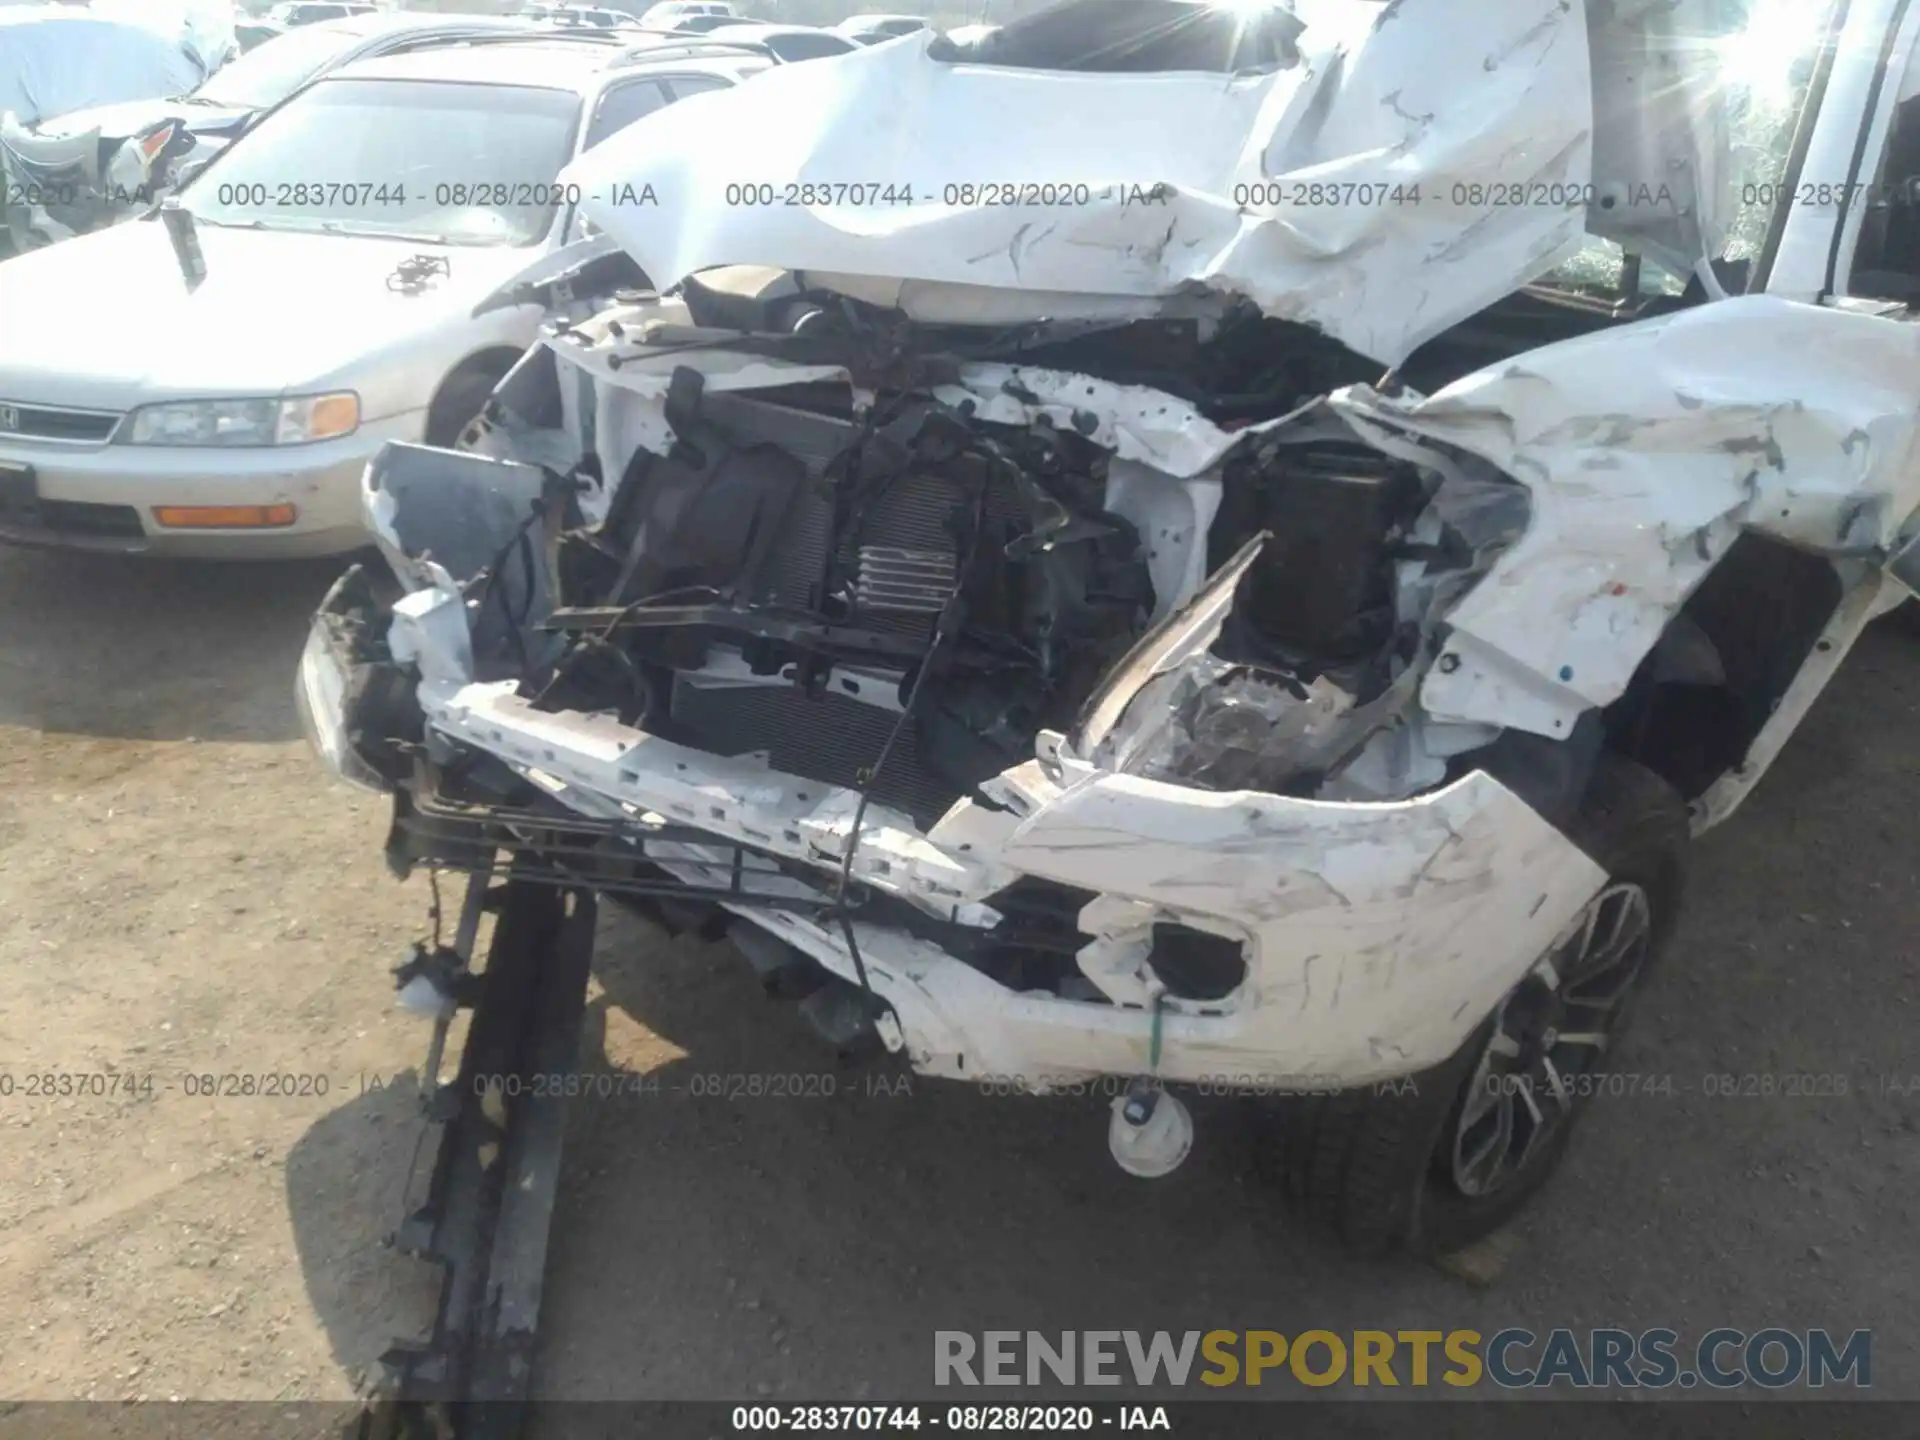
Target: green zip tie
point(1153, 1054)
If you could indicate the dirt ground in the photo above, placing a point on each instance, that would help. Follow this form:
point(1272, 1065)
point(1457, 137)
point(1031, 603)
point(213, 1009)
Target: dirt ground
point(187, 898)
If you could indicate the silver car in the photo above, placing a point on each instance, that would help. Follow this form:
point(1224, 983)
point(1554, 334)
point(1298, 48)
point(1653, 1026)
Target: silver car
point(212, 382)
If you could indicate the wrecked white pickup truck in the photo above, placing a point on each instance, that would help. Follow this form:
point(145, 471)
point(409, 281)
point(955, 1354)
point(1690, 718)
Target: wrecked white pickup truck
point(1194, 545)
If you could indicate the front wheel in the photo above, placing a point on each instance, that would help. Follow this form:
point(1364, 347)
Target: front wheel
point(1438, 1163)
point(453, 418)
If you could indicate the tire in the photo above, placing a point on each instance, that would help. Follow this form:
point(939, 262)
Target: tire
point(1379, 1165)
point(458, 405)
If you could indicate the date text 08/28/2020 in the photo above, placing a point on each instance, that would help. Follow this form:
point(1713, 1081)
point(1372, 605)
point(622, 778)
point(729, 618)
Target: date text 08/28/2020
point(955, 1419)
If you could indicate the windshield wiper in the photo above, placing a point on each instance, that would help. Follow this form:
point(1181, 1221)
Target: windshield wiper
point(334, 227)
point(225, 224)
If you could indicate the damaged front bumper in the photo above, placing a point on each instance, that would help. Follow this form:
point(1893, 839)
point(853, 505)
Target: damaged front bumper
point(1315, 881)
point(1368, 931)
point(1229, 936)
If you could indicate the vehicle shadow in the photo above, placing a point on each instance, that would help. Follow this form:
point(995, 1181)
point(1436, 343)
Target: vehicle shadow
point(786, 1226)
point(348, 1183)
point(741, 1218)
point(138, 649)
point(750, 1232)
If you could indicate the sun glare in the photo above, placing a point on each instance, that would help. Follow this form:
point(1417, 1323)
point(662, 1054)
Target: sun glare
point(1760, 59)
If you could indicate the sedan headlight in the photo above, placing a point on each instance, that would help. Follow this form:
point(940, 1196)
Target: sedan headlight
point(296, 421)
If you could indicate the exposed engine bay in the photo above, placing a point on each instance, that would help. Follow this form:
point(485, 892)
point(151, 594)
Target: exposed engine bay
point(1037, 720)
point(826, 582)
point(794, 581)
point(884, 565)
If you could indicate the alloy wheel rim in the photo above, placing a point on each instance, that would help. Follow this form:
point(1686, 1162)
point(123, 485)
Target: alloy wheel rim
point(1552, 1028)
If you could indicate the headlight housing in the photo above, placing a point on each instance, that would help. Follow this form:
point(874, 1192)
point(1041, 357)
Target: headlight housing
point(320, 695)
point(296, 420)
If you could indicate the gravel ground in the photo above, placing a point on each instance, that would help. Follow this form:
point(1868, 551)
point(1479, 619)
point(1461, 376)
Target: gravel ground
point(188, 899)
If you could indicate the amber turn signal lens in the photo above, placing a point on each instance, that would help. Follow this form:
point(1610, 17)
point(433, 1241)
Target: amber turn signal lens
point(224, 517)
point(333, 415)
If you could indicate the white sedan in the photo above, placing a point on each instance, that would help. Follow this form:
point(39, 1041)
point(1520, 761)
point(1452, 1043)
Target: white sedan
point(226, 408)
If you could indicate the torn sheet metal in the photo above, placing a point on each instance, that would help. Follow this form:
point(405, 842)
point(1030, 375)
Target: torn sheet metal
point(1365, 952)
point(1383, 164)
point(1646, 450)
point(1136, 422)
point(1365, 955)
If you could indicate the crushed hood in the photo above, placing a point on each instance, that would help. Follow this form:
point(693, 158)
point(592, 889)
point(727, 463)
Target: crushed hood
point(1414, 161)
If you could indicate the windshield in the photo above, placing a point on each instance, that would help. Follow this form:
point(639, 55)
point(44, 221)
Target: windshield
point(1763, 55)
point(1766, 66)
point(267, 75)
point(449, 163)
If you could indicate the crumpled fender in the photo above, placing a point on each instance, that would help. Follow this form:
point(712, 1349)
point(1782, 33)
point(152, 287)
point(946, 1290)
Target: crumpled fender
point(1647, 450)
